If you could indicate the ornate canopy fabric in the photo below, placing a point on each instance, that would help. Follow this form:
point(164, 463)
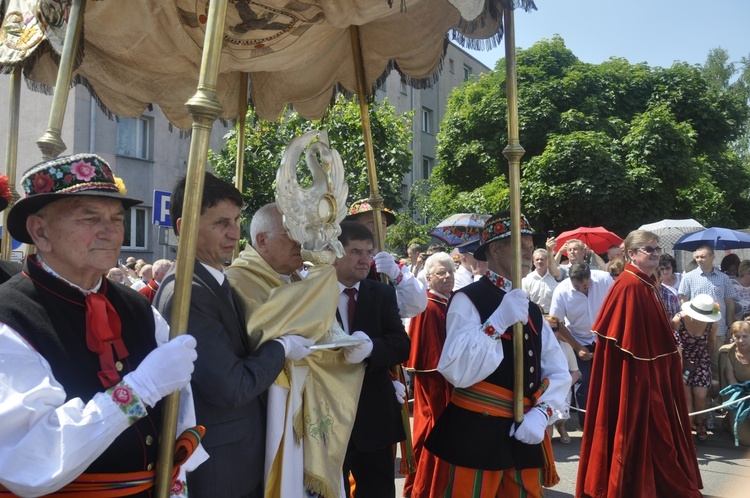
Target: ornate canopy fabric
point(298, 52)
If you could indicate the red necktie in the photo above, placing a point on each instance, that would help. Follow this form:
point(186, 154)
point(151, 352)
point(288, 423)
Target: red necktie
point(350, 305)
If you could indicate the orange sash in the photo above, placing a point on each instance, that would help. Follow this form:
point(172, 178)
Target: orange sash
point(127, 483)
point(497, 401)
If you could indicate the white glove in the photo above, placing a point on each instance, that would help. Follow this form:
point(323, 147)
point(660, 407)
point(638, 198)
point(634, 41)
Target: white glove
point(514, 308)
point(296, 347)
point(358, 353)
point(385, 264)
point(166, 369)
point(400, 391)
point(533, 428)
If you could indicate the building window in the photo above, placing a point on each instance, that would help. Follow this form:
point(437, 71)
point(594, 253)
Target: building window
point(403, 87)
point(427, 126)
point(134, 138)
point(427, 165)
point(468, 71)
point(451, 65)
point(136, 229)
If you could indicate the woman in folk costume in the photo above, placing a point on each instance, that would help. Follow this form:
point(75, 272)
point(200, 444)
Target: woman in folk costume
point(637, 440)
point(431, 390)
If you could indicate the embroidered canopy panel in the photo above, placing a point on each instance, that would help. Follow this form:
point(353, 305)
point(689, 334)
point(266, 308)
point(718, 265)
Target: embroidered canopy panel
point(299, 52)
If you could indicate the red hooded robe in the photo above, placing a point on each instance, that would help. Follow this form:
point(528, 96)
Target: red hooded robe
point(432, 393)
point(636, 440)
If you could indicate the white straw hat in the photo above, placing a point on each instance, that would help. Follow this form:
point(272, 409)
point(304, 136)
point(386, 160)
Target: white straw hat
point(702, 308)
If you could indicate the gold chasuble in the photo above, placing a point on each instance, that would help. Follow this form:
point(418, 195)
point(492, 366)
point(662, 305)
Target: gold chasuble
point(323, 387)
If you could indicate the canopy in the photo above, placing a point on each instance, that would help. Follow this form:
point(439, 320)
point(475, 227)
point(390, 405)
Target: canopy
point(143, 52)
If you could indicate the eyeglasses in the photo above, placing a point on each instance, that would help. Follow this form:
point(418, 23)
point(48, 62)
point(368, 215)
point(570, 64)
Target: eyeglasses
point(441, 273)
point(651, 250)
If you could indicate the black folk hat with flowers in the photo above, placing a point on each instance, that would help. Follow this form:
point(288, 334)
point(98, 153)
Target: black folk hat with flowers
point(497, 227)
point(4, 192)
point(363, 206)
point(56, 179)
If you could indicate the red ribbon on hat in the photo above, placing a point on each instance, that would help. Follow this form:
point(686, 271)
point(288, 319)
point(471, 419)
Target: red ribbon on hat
point(103, 332)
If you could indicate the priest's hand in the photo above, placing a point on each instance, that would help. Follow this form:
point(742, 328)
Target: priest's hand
point(385, 264)
point(296, 347)
point(164, 370)
point(533, 428)
point(358, 353)
point(513, 308)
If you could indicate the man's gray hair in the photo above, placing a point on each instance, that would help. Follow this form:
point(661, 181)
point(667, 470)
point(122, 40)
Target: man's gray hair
point(264, 221)
point(439, 258)
point(574, 241)
point(541, 251)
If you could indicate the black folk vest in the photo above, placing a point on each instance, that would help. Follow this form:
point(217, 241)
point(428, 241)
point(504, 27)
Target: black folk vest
point(51, 316)
point(477, 440)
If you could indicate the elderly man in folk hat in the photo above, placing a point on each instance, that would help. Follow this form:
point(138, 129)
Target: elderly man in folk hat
point(489, 455)
point(81, 375)
point(411, 294)
point(7, 268)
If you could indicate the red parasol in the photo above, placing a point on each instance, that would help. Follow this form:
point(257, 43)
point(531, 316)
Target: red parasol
point(598, 239)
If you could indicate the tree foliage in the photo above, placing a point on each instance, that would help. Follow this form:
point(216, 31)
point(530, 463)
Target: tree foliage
point(265, 142)
point(613, 144)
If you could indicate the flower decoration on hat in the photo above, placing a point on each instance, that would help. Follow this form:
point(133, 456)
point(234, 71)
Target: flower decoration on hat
point(716, 309)
point(84, 174)
point(121, 185)
point(4, 191)
point(363, 206)
point(500, 228)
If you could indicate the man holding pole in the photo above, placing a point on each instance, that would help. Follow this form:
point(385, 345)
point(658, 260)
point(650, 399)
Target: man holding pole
point(81, 376)
point(490, 455)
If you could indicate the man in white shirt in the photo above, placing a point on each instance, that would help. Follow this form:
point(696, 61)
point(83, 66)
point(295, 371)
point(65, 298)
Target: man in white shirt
point(476, 433)
point(81, 376)
point(470, 269)
point(576, 303)
point(540, 283)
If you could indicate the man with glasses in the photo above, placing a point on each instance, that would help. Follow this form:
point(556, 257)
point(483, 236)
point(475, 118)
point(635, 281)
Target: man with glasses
point(576, 303)
point(707, 280)
point(637, 440)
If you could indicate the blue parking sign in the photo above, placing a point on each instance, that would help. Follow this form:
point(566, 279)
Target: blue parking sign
point(161, 208)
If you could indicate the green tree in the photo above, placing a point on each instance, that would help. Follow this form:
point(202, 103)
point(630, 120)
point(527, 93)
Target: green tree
point(613, 144)
point(265, 142)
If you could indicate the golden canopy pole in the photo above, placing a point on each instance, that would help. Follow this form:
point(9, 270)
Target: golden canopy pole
point(11, 155)
point(51, 143)
point(240, 164)
point(513, 153)
point(205, 108)
point(376, 202)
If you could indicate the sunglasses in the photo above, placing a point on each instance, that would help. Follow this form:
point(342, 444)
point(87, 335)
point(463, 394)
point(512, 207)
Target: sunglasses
point(650, 250)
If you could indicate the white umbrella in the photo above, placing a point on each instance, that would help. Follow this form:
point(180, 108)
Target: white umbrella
point(669, 231)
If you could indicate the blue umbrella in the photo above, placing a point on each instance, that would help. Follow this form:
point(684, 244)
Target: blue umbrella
point(716, 237)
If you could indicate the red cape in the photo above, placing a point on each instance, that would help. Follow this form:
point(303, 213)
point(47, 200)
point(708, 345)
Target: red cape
point(636, 440)
point(427, 333)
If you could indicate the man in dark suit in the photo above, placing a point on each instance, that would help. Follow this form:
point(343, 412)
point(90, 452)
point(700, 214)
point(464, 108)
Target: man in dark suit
point(375, 320)
point(230, 381)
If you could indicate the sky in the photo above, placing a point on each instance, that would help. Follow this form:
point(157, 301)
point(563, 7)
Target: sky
point(657, 32)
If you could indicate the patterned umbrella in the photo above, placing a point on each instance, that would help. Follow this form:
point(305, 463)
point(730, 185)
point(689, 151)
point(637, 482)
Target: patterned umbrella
point(459, 228)
point(598, 239)
point(670, 231)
